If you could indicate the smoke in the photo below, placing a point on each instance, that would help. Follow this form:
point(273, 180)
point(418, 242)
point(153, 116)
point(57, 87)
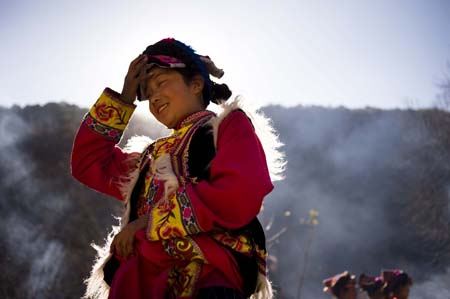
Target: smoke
point(44, 269)
point(48, 220)
point(435, 288)
point(355, 168)
point(27, 244)
point(30, 216)
point(377, 179)
point(14, 166)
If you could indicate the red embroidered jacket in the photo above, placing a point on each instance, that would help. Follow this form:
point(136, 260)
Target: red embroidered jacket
point(190, 235)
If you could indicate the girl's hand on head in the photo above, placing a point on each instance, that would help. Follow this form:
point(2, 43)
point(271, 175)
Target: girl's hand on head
point(133, 78)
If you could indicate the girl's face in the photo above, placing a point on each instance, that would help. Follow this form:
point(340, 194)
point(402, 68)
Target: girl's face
point(170, 98)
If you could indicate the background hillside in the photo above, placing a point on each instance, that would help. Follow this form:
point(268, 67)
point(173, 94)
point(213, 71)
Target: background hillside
point(379, 180)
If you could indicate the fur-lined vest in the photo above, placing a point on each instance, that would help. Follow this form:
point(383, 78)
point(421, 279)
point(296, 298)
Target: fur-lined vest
point(202, 187)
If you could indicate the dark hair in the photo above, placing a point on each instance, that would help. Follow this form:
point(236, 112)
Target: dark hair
point(378, 287)
point(399, 281)
point(340, 284)
point(212, 92)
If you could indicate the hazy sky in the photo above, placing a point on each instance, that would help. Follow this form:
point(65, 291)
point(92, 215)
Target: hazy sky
point(355, 53)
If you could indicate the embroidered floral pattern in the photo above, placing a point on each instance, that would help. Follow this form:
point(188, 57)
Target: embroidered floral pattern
point(110, 112)
point(182, 279)
point(164, 221)
point(183, 249)
point(240, 243)
point(244, 244)
point(174, 216)
point(146, 201)
point(167, 232)
point(105, 112)
point(98, 127)
point(189, 220)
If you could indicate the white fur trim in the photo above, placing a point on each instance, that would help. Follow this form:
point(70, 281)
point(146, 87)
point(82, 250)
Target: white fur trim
point(126, 184)
point(226, 108)
point(96, 287)
point(264, 130)
point(162, 170)
point(137, 144)
point(263, 288)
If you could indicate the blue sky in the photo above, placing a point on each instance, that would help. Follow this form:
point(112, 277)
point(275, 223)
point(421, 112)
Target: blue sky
point(353, 53)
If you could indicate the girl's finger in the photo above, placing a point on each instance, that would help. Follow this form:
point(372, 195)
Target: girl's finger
point(140, 62)
point(138, 59)
point(139, 67)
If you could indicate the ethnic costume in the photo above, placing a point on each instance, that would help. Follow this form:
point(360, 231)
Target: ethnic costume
point(202, 187)
point(341, 284)
point(398, 282)
point(373, 287)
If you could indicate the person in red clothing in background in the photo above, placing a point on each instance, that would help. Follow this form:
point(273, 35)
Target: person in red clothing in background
point(375, 287)
point(341, 286)
point(190, 227)
point(398, 283)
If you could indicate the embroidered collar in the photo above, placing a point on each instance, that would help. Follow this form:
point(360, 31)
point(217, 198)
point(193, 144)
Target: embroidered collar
point(193, 118)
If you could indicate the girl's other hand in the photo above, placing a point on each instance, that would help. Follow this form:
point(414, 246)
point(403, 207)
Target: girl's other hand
point(132, 79)
point(123, 242)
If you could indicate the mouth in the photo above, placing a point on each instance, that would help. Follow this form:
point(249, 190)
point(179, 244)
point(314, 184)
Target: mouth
point(162, 107)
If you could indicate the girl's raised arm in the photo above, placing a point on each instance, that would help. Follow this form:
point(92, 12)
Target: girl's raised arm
point(96, 159)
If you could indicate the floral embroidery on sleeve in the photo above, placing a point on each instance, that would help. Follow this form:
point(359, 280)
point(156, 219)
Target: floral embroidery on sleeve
point(109, 116)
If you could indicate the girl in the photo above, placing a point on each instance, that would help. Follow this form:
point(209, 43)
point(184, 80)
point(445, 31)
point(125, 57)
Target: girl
point(190, 228)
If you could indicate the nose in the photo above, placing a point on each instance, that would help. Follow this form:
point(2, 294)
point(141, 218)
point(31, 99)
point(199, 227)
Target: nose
point(153, 102)
point(154, 99)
